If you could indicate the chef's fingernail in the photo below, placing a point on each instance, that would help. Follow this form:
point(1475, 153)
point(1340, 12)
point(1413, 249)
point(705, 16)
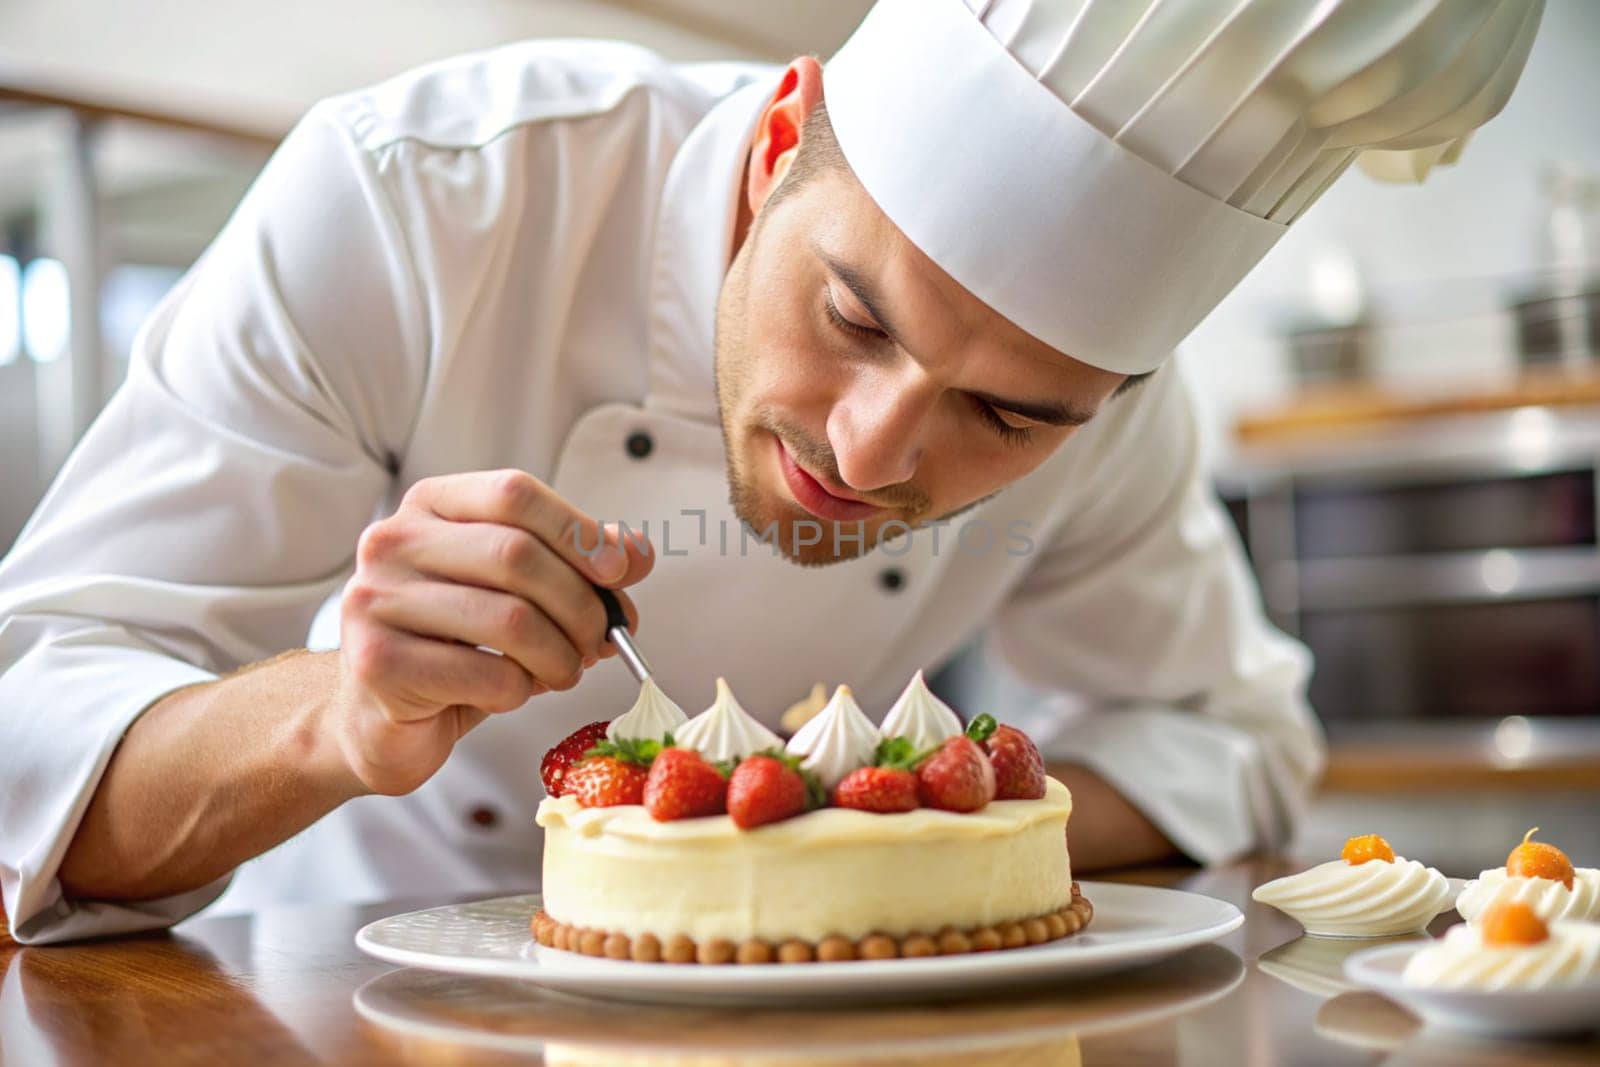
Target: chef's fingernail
point(610, 563)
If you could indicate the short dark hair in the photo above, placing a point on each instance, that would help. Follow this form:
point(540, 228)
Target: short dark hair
point(819, 153)
point(1132, 382)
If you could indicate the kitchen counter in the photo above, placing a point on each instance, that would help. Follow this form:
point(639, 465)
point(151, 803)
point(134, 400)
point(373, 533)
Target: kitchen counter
point(288, 986)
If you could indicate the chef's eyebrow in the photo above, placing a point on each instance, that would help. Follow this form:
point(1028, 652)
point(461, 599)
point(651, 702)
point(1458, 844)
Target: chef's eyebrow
point(1050, 413)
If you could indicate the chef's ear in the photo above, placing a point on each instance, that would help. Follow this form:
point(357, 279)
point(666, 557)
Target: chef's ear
point(777, 135)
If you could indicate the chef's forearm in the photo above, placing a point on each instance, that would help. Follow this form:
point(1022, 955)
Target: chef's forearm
point(1105, 830)
point(208, 777)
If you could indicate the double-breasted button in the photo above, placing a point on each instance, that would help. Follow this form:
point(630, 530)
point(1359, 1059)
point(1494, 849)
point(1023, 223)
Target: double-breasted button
point(484, 817)
point(892, 579)
point(640, 444)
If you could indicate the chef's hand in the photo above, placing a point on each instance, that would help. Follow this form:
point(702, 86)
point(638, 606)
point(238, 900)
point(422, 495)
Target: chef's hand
point(492, 559)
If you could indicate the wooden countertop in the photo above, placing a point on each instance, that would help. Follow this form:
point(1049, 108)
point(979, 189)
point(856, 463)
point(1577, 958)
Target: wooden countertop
point(288, 986)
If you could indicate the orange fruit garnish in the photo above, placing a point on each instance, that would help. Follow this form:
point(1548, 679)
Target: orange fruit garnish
point(1359, 850)
point(1535, 859)
point(1513, 923)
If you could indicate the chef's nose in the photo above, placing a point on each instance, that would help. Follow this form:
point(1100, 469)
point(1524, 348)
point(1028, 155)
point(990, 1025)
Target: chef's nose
point(877, 431)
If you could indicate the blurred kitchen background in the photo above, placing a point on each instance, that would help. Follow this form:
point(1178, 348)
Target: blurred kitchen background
point(1402, 401)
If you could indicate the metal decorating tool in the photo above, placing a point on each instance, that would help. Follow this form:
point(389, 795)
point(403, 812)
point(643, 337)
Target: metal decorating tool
point(617, 634)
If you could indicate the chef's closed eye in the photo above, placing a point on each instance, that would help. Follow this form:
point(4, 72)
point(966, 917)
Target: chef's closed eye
point(847, 318)
point(1013, 429)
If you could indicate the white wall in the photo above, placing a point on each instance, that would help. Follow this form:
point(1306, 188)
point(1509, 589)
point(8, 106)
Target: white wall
point(1438, 258)
point(261, 64)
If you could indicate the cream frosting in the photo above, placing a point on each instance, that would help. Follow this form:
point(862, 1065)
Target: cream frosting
point(831, 871)
point(1372, 899)
point(920, 716)
point(1461, 960)
point(838, 740)
point(1550, 900)
point(652, 717)
point(725, 731)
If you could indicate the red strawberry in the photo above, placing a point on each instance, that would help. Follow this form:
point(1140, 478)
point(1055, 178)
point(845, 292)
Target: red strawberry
point(682, 785)
point(559, 760)
point(1018, 767)
point(765, 789)
point(880, 789)
point(957, 777)
point(605, 782)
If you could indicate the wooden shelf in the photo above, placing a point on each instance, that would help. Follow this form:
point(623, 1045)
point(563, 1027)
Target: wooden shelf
point(1372, 767)
point(1334, 411)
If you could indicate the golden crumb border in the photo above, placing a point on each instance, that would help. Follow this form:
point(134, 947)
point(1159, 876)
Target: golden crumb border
point(647, 948)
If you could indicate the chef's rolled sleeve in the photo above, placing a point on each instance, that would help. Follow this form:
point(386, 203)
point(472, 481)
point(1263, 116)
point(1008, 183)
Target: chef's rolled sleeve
point(1144, 607)
point(213, 505)
point(58, 768)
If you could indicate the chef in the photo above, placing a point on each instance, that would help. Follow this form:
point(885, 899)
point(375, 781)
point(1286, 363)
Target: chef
point(829, 371)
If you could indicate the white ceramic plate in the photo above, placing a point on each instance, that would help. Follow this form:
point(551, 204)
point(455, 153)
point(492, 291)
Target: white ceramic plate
point(1506, 1013)
point(1132, 925)
point(521, 1017)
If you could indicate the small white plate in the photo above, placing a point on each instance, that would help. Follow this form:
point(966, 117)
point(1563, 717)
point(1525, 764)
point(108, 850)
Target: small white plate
point(1132, 925)
point(1504, 1013)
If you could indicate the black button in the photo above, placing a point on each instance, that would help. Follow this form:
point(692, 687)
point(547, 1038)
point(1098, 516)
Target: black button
point(484, 817)
point(640, 444)
point(892, 579)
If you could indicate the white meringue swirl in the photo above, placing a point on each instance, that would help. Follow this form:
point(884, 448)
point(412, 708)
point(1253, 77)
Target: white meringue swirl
point(652, 717)
point(1550, 900)
point(1570, 955)
point(838, 740)
point(725, 731)
point(1372, 899)
point(920, 716)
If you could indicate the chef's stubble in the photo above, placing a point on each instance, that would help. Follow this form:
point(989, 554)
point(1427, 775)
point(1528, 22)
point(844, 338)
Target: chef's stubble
point(731, 374)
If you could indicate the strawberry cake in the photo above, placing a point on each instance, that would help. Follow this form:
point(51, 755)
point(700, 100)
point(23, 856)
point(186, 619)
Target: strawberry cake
point(710, 840)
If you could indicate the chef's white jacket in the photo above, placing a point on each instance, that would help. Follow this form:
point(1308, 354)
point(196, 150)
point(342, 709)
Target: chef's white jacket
point(512, 260)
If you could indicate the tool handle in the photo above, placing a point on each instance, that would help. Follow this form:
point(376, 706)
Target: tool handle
point(615, 616)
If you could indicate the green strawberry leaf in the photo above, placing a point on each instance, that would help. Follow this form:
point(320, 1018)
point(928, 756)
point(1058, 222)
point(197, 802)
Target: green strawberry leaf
point(982, 728)
point(782, 755)
point(898, 753)
point(641, 751)
point(816, 792)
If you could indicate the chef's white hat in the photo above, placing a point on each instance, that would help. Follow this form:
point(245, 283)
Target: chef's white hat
point(1103, 172)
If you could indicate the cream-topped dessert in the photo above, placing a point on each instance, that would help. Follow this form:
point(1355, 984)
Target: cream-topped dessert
point(1552, 901)
point(652, 717)
point(725, 731)
point(717, 845)
point(832, 872)
point(920, 717)
point(1368, 892)
point(1539, 875)
point(1512, 948)
point(837, 741)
